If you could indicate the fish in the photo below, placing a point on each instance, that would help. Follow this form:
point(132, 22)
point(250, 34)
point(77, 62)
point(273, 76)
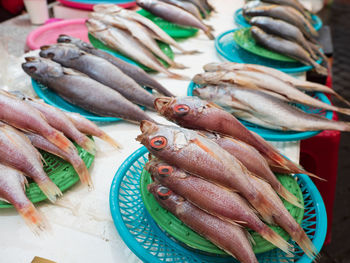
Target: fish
point(99, 69)
point(202, 157)
point(122, 42)
point(200, 7)
point(134, 72)
point(24, 117)
point(138, 32)
point(174, 14)
point(270, 109)
point(57, 119)
point(293, 3)
point(72, 157)
point(260, 81)
point(207, 5)
point(88, 127)
point(254, 162)
point(12, 190)
point(284, 219)
point(229, 237)
point(82, 91)
point(161, 35)
point(188, 6)
point(284, 30)
point(300, 84)
point(194, 113)
point(213, 199)
point(285, 47)
point(285, 13)
point(17, 152)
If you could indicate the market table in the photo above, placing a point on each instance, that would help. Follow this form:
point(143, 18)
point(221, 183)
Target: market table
point(82, 229)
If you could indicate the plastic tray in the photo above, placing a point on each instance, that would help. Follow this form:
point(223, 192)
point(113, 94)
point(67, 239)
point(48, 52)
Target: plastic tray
point(240, 20)
point(277, 135)
point(88, 4)
point(151, 244)
point(229, 50)
point(171, 29)
point(61, 173)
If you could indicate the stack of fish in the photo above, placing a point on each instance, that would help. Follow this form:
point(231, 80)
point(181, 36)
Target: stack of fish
point(219, 184)
point(27, 124)
point(286, 28)
point(263, 96)
point(93, 79)
point(184, 13)
point(134, 36)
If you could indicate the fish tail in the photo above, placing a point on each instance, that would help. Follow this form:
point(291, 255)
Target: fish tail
point(88, 145)
point(190, 52)
point(277, 158)
point(178, 65)
point(209, 34)
point(319, 69)
point(34, 220)
point(288, 196)
point(61, 141)
point(275, 239)
point(346, 112)
point(110, 140)
point(83, 173)
point(50, 190)
point(304, 242)
point(263, 206)
point(176, 76)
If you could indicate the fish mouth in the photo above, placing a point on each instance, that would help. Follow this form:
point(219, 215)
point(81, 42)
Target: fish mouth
point(45, 47)
point(162, 103)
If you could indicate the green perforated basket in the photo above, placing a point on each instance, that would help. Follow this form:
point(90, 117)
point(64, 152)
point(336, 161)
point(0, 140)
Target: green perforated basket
point(60, 172)
point(163, 46)
point(175, 228)
point(171, 29)
point(244, 39)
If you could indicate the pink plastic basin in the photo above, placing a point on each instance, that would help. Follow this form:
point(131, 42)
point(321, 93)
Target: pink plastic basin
point(90, 6)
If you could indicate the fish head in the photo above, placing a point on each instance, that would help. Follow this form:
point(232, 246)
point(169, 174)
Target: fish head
point(186, 111)
point(41, 68)
point(75, 41)
point(145, 3)
point(165, 197)
point(61, 52)
point(159, 169)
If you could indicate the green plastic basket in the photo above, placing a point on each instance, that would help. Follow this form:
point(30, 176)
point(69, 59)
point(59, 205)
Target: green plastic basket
point(175, 228)
point(163, 46)
point(244, 39)
point(60, 172)
point(171, 29)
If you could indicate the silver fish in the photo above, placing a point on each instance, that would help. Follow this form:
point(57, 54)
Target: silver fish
point(188, 6)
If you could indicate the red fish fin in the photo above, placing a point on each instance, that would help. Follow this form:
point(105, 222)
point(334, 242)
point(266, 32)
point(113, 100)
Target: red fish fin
point(33, 218)
point(289, 197)
point(305, 243)
point(61, 141)
point(83, 173)
point(263, 206)
point(88, 145)
point(50, 190)
point(275, 239)
point(110, 140)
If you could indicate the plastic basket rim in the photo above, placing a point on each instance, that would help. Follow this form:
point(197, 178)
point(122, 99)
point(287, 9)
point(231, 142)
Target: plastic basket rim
point(287, 137)
point(223, 54)
point(238, 21)
point(144, 255)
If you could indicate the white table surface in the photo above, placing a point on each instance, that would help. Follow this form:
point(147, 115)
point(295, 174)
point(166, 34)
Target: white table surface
point(82, 228)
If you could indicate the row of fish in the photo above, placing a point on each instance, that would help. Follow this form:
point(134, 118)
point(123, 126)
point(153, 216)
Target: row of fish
point(134, 36)
point(219, 183)
point(285, 28)
point(263, 96)
point(27, 124)
point(184, 13)
point(93, 79)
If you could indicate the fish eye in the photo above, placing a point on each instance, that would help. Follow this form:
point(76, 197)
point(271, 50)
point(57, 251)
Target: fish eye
point(165, 171)
point(164, 193)
point(181, 109)
point(66, 40)
point(32, 69)
point(50, 55)
point(158, 142)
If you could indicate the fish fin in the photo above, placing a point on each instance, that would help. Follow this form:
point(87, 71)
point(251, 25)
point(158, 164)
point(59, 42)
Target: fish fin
point(61, 141)
point(190, 52)
point(4, 200)
point(275, 239)
point(111, 141)
point(304, 242)
point(42, 158)
point(214, 105)
point(179, 66)
point(344, 111)
point(289, 197)
point(88, 145)
point(83, 173)
point(320, 69)
point(176, 76)
point(250, 238)
point(34, 220)
point(50, 190)
point(302, 171)
point(209, 34)
point(263, 207)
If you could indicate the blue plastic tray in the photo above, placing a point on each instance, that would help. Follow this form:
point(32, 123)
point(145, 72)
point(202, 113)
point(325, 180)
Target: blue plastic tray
point(143, 236)
point(228, 49)
point(276, 135)
point(240, 20)
point(52, 98)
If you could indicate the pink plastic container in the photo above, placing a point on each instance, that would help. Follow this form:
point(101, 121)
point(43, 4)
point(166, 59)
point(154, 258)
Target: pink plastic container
point(89, 6)
point(48, 34)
